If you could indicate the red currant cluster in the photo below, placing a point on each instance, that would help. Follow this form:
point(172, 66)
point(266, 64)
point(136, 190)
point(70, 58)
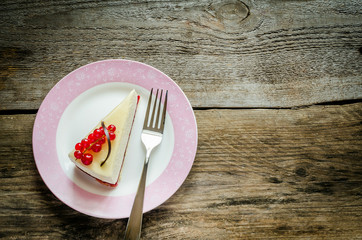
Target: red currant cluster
point(93, 142)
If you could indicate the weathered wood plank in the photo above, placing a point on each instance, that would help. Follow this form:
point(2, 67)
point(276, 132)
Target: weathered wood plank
point(221, 53)
point(282, 174)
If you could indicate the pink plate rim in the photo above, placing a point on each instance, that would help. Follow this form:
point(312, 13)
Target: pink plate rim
point(84, 78)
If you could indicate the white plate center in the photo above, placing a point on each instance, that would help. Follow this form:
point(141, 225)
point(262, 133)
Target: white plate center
point(84, 112)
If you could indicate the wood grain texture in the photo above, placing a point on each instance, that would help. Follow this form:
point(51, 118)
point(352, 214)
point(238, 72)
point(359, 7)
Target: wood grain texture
point(258, 174)
point(293, 173)
point(221, 53)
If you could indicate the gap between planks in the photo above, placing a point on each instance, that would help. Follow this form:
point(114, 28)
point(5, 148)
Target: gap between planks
point(343, 102)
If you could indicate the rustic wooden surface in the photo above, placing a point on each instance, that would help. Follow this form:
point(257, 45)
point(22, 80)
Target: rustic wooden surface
point(276, 87)
point(283, 54)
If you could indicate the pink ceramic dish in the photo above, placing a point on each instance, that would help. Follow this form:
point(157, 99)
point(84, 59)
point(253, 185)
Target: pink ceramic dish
point(85, 95)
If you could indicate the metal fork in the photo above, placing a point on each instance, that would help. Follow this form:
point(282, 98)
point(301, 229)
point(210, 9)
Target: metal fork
point(151, 137)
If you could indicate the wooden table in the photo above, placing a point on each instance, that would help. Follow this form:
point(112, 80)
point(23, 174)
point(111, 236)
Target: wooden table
point(276, 87)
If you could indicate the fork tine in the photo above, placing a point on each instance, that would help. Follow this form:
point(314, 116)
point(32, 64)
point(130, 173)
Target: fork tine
point(154, 110)
point(164, 112)
point(158, 111)
point(148, 110)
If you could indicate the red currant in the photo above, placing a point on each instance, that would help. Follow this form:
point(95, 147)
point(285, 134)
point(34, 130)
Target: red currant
point(78, 154)
point(96, 147)
point(78, 146)
point(102, 140)
point(111, 128)
point(97, 133)
point(101, 130)
point(91, 138)
point(85, 143)
point(112, 135)
point(87, 159)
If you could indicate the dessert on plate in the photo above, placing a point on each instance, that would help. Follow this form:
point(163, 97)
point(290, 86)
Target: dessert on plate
point(101, 153)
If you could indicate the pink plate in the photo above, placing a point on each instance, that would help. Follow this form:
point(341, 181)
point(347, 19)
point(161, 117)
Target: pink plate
point(77, 102)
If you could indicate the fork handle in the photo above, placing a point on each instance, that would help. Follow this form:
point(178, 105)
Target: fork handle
point(134, 225)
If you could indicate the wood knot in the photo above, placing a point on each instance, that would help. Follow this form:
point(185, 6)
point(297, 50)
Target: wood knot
point(232, 12)
point(301, 172)
point(274, 180)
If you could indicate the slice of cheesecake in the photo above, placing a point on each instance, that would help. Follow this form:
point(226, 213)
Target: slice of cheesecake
point(92, 154)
